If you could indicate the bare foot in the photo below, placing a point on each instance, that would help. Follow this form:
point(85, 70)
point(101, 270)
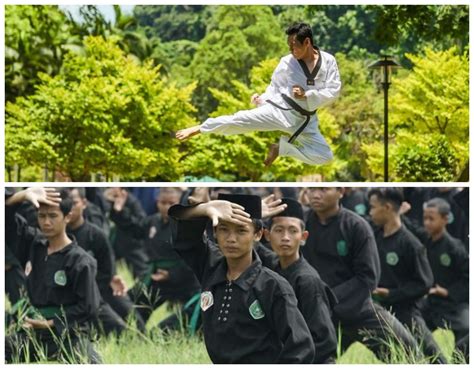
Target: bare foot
point(184, 134)
point(272, 154)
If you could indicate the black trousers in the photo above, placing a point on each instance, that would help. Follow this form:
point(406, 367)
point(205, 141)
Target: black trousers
point(413, 319)
point(108, 321)
point(375, 330)
point(36, 345)
point(124, 307)
point(14, 283)
point(455, 318)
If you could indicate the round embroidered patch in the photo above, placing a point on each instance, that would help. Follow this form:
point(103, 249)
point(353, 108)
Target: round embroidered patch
point(207, 300)
point(450, 218)
point(360, 209)
point(445, 259)
point(60, 278)
point(342, 248)
point(256, 310)
point(391, 258)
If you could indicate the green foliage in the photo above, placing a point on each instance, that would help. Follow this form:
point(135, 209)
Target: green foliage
point(36, 40)
point(428, 158)
point(238, 37)
point(103, 113)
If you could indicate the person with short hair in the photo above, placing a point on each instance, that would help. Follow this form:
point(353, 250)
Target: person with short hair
point(406, 274)
point(303, 81)
point(249, 312)
point(447, 305)
point(341, 247)
point(60, 280)
point(286, 234)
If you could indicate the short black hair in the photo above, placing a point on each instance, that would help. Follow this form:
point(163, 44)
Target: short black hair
point(441, 205)
point(388, 194)
point(270, 223)
point(301, 30)
point(257, 224)
point(66, 201)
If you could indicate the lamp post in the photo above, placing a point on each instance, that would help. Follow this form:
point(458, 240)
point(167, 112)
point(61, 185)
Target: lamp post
point(385, 65)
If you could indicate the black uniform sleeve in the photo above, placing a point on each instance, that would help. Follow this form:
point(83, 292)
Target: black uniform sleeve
point(459, 290)
point(421, 280)
point(291, 328)
point(413, 227)
point(88, 301)
point(314, 305)
point(267, 256)
point(105, 260)
point(352, 293)
point(132, 219)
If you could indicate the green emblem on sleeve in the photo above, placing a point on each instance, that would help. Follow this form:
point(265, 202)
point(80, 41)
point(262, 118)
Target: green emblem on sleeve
point(256, 310)
point(450, 218)
point(360, 209)
point(342, 248)
point(391, 258)
point(60, 278)
point(445, 260)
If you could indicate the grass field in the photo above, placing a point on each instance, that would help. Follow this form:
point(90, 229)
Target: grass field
point(179, 348)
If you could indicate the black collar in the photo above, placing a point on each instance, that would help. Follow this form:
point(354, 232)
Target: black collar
point(310, 76)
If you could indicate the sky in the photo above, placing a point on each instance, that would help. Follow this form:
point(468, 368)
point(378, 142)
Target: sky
point(106, 10)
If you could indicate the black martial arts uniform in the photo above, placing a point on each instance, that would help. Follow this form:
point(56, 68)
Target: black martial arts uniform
point(61, 286)
point(180, 287)
point(406, 273)
point(94, 241)
point(254, 319)
point(344, 252)
point(450, 265)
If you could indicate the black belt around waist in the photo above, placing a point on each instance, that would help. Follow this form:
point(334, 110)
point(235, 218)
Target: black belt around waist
point(294, 106)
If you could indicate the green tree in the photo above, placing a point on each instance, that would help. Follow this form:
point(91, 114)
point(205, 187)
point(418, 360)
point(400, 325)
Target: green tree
point(238, 37)
point(36, 39)
point(429, 121)
point(103, 113)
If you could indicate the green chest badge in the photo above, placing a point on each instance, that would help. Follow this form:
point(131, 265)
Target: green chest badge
point(256, 311)
point(360, 209)
point(391, 258)
point(445, 259)
point(342, 248)
point(60, 278)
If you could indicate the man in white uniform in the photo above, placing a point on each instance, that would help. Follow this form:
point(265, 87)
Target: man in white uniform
point(303, 81)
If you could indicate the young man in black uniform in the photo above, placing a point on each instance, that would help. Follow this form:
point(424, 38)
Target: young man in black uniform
point(111, 286)
point(249, 312)
point(406, 274)
point(126, 246)
point(60, 280)
point(342, 248)
point(286, 233)
point(169, 278)
point(448, 300)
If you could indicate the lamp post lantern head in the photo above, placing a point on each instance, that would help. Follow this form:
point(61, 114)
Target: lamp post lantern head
point(385, 65)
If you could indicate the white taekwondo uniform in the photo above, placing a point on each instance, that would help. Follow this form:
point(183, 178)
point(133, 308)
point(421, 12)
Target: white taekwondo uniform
point(321, 86)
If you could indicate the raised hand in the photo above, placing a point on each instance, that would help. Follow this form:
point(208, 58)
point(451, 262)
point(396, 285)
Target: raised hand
point(272, 207)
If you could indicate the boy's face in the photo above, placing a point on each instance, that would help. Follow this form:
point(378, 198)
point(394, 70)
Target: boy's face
point(285, 235)
point(324, 198)
point(298, 49)
point(379, 211)
point(51, 221)
point(433, 221)
point(78, 206)
point(165, 201)
point(236, 241)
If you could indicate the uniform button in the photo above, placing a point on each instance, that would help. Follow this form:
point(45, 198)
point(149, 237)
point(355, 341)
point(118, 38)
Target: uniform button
point(223, 305)
point(227, 311)
point(225, 319)
point(219, 318)
point(228, 305)
point(225, 297)
point(230, 297)
point(230, 290)
point(220, 312)
point(227, 291)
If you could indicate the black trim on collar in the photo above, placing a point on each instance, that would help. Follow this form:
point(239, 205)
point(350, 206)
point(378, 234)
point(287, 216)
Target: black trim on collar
point(311, 76)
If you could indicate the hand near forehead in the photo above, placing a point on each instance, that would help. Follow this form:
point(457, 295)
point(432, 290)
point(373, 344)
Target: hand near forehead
point(221, 210)
point(118, 196)
point(37, 196)
point(272, 207)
